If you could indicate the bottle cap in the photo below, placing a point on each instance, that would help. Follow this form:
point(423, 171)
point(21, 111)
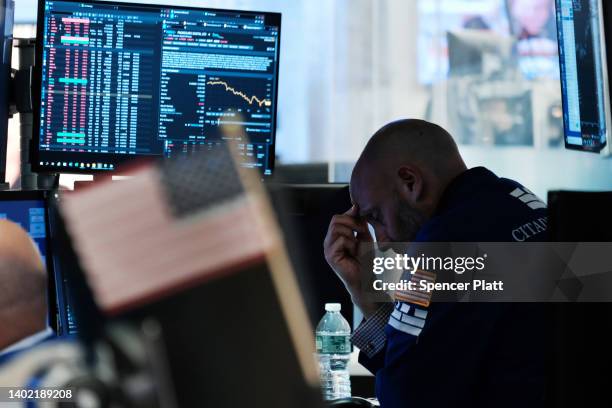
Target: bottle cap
point(333, 307)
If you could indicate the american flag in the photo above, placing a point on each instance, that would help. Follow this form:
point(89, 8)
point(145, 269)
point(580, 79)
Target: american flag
point(165, 229)
point(417, 296)
point(177, 225)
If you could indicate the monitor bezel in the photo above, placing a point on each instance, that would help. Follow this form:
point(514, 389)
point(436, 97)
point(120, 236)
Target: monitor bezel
point(7, 17)
point(605, 64)
point(44, 196)
point(275, 18)
point(606, 30)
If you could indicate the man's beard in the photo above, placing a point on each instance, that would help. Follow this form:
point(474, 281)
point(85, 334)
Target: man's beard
point(409, 222)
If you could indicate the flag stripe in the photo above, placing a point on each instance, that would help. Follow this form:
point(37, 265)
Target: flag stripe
point(420, 295)
point(412, 300)
point(417, 296)
point(133, 253)
point(424, 274)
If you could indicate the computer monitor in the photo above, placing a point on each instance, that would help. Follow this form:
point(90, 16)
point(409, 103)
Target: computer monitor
point(7, 11)
point(584, 74)
point(30, 209)
point(123, 80)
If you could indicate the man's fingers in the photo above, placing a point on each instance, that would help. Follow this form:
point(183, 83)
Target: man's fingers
point(338, 230)
point(350, 222)
point(365, 236)
point(344, 245)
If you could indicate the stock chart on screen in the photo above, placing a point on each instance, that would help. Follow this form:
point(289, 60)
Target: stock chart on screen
point(123, 80)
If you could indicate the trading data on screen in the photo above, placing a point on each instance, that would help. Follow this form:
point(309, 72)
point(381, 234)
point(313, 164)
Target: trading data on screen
point(582, 63)
point(129, 80)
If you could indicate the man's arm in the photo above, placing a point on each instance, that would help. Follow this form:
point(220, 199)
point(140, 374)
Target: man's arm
point(346, 231)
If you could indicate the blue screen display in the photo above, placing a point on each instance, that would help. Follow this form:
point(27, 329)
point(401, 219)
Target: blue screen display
point(582, 63)
point(31, 216)
point(132, 80)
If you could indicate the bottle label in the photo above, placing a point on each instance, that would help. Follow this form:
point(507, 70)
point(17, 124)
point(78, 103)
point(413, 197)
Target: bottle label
point(333, 344)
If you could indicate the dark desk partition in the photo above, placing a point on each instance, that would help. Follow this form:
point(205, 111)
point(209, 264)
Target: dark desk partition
point(581, 354)
point(304, 213)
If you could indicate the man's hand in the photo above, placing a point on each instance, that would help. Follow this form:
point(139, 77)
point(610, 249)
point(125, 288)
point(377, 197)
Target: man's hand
point(346, 231)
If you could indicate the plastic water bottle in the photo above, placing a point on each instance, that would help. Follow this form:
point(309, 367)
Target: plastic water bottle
point(333, 338)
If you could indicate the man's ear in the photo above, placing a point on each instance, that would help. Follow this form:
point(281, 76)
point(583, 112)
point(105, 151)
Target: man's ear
point(410, 179)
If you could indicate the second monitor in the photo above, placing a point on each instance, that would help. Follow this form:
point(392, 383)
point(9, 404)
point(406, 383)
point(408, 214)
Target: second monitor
point(584, 73)
point(124, 80)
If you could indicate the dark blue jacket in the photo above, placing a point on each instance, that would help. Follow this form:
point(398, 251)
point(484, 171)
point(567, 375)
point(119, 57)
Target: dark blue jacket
point(471, 354)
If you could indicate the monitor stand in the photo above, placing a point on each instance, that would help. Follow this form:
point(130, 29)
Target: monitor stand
point(20, 101)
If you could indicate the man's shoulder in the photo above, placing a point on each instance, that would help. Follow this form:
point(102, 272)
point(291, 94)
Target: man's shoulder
point(499, 210)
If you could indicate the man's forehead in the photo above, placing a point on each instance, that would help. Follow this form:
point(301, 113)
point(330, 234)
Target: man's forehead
point(362, 189)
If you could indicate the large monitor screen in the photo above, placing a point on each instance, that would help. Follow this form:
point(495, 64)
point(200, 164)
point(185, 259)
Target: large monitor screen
point(122, 80)
point(583, 73)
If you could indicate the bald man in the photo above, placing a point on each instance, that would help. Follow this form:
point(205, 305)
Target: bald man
point(410, 184)
point(23, 298)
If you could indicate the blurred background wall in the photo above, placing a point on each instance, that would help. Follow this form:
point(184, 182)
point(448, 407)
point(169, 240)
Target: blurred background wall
point(486, 70)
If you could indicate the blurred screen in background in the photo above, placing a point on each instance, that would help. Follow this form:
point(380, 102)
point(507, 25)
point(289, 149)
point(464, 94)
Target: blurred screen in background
point(530, 23)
